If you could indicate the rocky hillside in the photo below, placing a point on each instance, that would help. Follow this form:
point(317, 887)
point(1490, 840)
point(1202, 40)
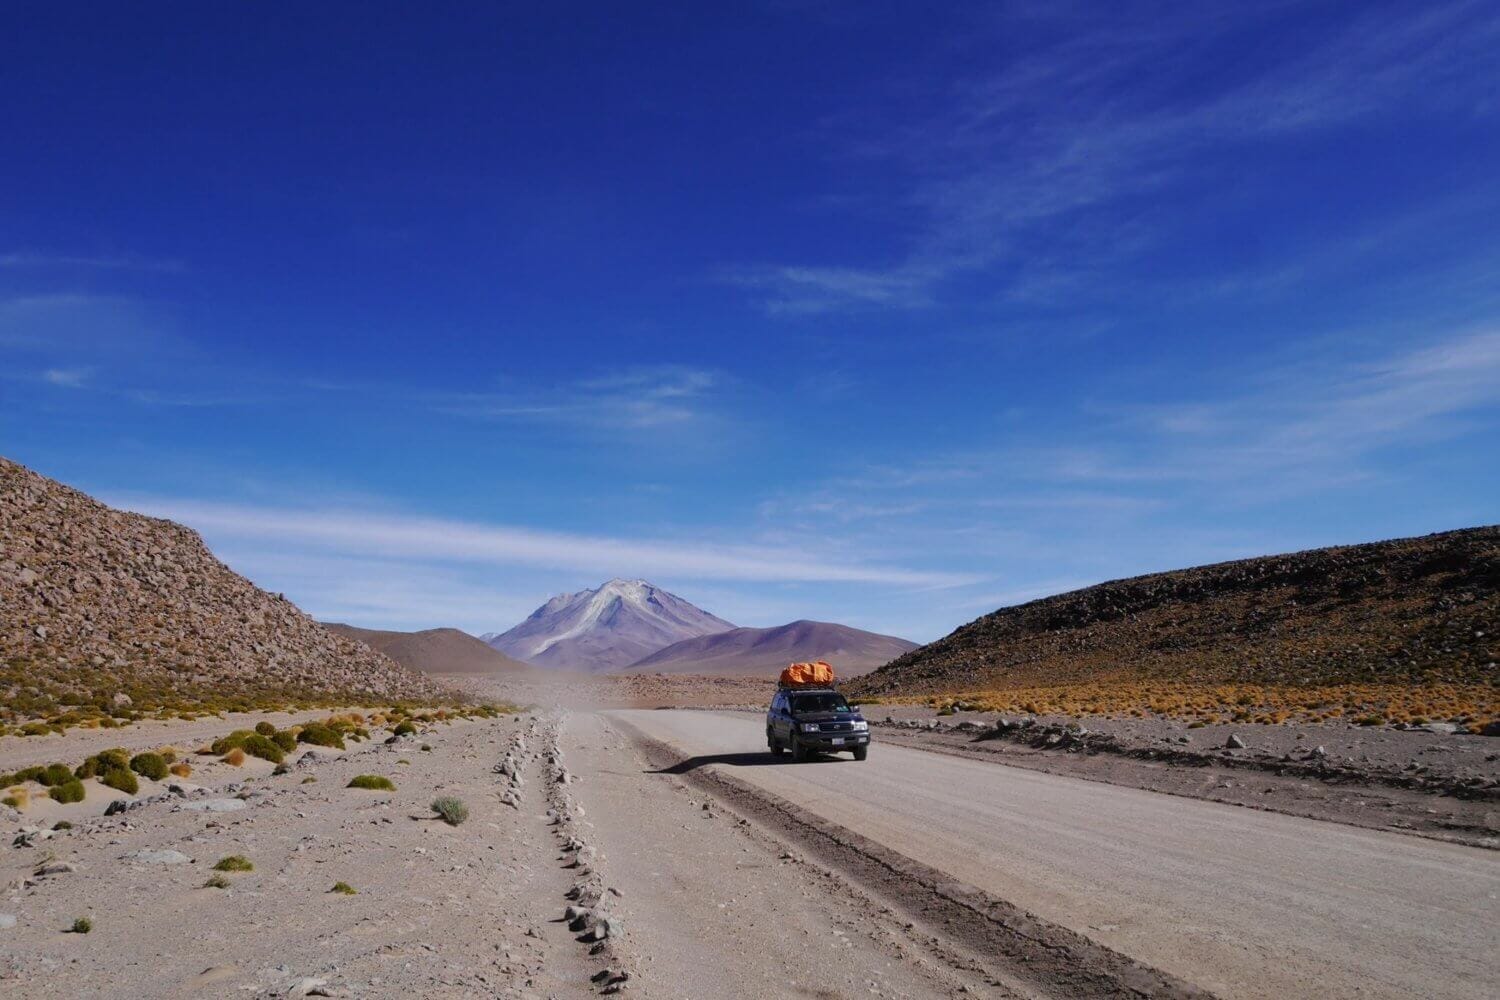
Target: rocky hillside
point(434, 650)
point(763, 652)
point(1409, 611)
point(110, 610)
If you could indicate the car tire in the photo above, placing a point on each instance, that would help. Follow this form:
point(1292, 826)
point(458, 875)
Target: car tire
point(860, 753)
point(776, 748)
point(799, 752)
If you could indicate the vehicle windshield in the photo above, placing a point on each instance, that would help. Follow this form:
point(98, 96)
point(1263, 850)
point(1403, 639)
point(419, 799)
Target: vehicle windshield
point(823, 701)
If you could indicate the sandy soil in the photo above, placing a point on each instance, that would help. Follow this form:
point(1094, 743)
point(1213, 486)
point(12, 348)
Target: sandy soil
point(440, 910)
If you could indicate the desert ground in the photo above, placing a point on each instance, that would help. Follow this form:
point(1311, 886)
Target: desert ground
point(634, 836)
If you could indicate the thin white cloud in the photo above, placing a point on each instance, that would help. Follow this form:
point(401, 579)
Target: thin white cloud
point(67, 378)
point(422, 538)
point(641, 398)
point(1011, 173)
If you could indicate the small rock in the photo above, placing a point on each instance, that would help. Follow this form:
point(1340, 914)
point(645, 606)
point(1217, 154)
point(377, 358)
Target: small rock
point(308, 987)
point(7, 921)
point(56, 868)
point(121, 699)
point(1234, 742)
point(40, 631)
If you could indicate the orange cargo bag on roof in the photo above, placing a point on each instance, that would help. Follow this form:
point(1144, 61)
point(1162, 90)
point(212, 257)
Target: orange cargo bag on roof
point(817, 674)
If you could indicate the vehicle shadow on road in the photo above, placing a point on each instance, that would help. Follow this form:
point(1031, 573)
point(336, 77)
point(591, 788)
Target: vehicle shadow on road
point(732, 759)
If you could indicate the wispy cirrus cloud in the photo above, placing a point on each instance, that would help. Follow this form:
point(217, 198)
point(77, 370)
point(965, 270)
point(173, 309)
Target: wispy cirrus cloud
point(435, 539)
point(642, 398)
point(1009, 177)
point(67, 378)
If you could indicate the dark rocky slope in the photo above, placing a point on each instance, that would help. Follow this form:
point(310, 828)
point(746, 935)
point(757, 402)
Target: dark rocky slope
point(1408, 612)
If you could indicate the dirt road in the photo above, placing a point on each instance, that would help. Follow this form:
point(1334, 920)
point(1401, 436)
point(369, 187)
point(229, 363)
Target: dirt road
point(1238, 902)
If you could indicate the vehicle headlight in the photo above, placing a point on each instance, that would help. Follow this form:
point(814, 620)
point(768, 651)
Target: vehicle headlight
point(809, 727)
point(861, 727)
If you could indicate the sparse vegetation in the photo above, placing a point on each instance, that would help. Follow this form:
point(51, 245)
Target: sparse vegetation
point(308, 780)
point(106, 760)
point(149, 765)
point(1254, 704)
point(217, 882)
point(234, 863)
point(450, 810)
point(62, 824)
point(121, 779)
point(181, 769)
point(265, 728)
point(404, 728)
point(321, 735)
point(344, 889)
point(81, 926)
point(235, 757)
point(251, 742)
point(71, 790)
point(373, 782)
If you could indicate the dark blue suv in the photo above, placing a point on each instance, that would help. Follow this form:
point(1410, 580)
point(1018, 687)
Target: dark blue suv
point(815, 720)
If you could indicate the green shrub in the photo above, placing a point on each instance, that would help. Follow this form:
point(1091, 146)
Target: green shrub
point(450, 810)
point(405, 728)
point(56, 774)
point(425, 748)
point(102, 762)
point(62, 824)
point(320, 735)
point(69, 791)
point(285, 740)
point(264, 748)
point(35, 729)
point(234, 863)
point(265, 728)
point(343, 889)
point(373, 782)
point(216, 882)
point(149, 765)
point(122, 779)
point(82, 926)
point(308, 780)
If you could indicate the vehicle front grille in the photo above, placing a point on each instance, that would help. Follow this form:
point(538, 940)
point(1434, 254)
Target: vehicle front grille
point(836, 727)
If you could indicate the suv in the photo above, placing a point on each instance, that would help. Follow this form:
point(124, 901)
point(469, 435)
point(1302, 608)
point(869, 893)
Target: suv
point(815, 720)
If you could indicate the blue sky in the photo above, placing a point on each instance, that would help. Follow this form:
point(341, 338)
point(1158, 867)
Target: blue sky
point(887, 314)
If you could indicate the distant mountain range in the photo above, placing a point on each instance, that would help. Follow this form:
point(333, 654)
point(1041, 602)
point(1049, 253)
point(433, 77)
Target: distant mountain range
point(635, 626)
point(1407, 611)
point(606, 628)
point(743, 651)
point(434, 650)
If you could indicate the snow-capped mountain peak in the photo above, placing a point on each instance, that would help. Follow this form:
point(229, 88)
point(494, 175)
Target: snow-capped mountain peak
point(610, 626)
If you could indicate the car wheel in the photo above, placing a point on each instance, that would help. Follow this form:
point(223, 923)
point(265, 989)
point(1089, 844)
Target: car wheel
point(774, 744)
point(860, 753)
point(799, 752)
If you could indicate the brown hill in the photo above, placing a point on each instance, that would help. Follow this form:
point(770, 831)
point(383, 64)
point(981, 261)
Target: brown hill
point(434, 650)
point(747, 651)
point(105, 609)
point(1414, 611)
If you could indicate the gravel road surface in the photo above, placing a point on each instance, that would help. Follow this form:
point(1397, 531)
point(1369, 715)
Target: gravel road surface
point(1239, 902)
